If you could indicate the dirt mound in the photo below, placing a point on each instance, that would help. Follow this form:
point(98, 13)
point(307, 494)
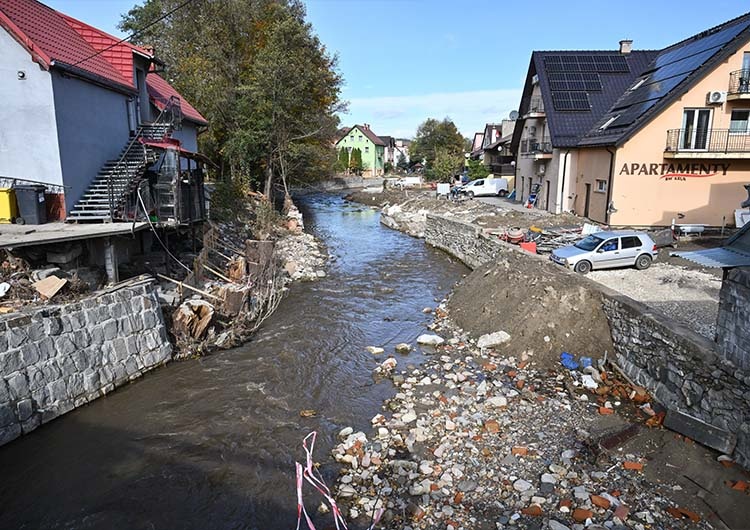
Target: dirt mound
point(544, 309)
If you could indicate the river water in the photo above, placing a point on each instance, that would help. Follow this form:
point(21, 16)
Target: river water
point(211, 443)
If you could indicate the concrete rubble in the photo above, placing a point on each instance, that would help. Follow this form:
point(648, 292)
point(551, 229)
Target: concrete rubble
point(477, 438)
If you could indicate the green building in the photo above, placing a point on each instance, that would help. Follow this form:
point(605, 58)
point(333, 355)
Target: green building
point(371, 146)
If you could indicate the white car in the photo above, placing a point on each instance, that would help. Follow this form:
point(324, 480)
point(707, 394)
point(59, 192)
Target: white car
point(605, 250)
point(485, 187)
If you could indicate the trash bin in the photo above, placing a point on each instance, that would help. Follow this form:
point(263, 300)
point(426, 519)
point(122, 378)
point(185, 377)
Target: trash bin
point(8, 210)
point(32, 209)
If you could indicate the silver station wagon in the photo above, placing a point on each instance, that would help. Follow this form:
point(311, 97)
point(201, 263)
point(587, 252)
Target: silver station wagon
point(606, 250)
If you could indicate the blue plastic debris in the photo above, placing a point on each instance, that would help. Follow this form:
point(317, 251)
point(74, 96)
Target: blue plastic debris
point(585, 362)
point(568, 361)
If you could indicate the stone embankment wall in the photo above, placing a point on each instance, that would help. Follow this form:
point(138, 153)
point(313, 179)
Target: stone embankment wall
point(341, 183)
point(733, 324)
point(56, 358)
point(684, 371)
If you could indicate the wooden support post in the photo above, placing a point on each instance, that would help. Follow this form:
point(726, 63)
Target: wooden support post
point(110, 261)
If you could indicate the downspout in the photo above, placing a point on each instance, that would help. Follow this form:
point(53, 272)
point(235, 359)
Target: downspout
point(607, 210)
point(562, 187)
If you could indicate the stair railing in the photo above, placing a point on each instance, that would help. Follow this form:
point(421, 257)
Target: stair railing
point(170, 115)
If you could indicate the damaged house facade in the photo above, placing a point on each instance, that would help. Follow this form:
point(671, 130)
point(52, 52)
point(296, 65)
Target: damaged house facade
point(670, 142)
point(90, 119)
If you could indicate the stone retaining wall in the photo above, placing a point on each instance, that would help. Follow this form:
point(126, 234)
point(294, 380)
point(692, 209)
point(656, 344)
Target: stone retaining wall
point(683, 370)
point(56, 358)
point(732, 331)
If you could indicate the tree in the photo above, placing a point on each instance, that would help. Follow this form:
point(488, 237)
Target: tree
point(445, 165)
point(402, 164)
point(388, 168)
point(343, 160)
point(260, 75)
point(355, 161)
point(433, 136)
point(477, 170)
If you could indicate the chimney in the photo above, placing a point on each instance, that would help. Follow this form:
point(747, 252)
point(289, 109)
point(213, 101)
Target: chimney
point(366, 126)
point(626, 46)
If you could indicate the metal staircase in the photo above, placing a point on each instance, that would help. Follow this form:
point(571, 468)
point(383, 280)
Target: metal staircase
point(106, 198)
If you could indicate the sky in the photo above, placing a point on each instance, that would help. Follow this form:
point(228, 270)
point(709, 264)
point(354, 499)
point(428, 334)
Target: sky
point(404, 61)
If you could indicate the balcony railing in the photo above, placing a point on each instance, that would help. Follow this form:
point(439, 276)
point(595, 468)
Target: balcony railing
point(739, 82)
point(532, 146)
point(708, 141)
point(536, 105)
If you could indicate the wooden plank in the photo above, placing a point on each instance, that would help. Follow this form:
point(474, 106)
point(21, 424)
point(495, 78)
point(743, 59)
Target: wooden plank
point(49, 286)
point(700, 431)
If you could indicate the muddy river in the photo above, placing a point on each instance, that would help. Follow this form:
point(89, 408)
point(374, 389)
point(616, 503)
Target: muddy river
point(211, 443)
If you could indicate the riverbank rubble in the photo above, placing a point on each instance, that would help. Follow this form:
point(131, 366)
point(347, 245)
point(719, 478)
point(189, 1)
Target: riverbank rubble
point(478, 438)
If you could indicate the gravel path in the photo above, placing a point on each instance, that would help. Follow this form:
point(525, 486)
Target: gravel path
point(688, 296)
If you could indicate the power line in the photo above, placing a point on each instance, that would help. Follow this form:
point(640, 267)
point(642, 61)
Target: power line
point(135, 34)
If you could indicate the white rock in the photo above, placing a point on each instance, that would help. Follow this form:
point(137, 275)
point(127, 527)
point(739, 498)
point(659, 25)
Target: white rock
point(497, 401)
point(588, 382)
point(430, 340)
point(425, 468)
point(403, 348)
point(493, 339)
point(521, 485)
point(409, 416)
point(549, 478)
point(346, 431)
point(375, 350)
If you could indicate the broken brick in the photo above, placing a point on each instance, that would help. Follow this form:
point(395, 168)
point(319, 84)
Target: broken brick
point(520, 383)
point(674, 512)
point(740, 485)
point(519, 451)
point(512, 374)
point(690, 515)
point(632, 466)
point(565, 505)
point(534, 510)
point(599, 501)
point(580, 515)
point(604, 411)
point(621, 512)
point(523, 364)
point(491, 426)
point(458, 498)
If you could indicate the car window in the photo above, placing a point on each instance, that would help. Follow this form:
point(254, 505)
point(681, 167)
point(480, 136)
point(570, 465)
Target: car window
point(479, 183)
point(590, 243)
point(609, 245)
point(631, 242)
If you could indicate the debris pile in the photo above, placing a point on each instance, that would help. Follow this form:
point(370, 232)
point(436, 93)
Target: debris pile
point(479, 439)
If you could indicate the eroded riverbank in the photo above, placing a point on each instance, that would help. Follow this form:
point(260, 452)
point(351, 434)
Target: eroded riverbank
point(210, 442)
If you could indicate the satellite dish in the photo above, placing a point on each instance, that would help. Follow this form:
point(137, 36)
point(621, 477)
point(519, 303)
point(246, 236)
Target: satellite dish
point(513, 115)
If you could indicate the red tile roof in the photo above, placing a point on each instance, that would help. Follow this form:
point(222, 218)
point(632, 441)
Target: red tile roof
point(50, 39)
point(374, 138)
point(160, 91)
point(55, 38)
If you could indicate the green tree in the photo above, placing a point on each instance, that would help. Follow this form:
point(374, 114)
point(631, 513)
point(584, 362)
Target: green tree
point(433, 136)
point(477, 170)
point(355, 161)
point(402, 164)
point(259, 74)
point(387, 168)
point(343, 160)
point(445, 165)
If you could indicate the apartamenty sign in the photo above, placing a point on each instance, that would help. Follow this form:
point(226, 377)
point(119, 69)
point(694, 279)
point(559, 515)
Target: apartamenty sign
point(671, 171)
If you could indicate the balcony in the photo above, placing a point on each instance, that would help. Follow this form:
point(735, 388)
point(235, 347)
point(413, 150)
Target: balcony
point(536, 108)
point(707, 143)
point(536, 149)
point(739, 85)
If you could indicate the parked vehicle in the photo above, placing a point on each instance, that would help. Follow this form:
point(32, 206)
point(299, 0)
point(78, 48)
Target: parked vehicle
point(605, 250)
point(408, 182)
point(485, 187)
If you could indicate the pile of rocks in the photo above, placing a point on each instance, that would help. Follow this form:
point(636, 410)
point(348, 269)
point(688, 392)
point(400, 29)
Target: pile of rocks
point(302, 256)
point(410, 216)
point(479, 439)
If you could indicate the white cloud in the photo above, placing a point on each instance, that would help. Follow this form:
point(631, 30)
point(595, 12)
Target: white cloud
point(401, 115)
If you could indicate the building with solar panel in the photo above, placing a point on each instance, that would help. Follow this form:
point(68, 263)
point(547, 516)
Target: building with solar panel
point(639, 138)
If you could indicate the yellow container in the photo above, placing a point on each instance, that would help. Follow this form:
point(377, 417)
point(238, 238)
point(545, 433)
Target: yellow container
point(8, 209)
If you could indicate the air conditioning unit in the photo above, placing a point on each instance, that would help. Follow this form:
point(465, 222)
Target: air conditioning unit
point(542, 169)
point(715, 97)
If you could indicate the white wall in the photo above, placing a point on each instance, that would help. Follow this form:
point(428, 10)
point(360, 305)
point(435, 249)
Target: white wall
point(28, 132)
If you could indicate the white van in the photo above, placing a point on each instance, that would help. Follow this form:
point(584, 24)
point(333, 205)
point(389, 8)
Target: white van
point(484, 187)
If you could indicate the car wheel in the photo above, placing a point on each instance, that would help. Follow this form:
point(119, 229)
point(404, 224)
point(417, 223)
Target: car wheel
point(470, 194)
point(583, 267)
point(502, 193)
point(643, 262)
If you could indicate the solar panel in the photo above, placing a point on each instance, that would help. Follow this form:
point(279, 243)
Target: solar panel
point(586, 63)
point(571, 101)
point(567, 81)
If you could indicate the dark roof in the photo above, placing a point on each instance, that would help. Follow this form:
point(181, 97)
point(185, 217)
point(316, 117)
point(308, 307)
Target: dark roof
point(568, 126)
point(388, 140)
point(671, 73)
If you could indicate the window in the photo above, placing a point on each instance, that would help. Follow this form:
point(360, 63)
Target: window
point(695, 129)
point(739, 123)
point(601, 186)
point(631, 242)
point(360, 137)
point(367, 149)
point(609, 245)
